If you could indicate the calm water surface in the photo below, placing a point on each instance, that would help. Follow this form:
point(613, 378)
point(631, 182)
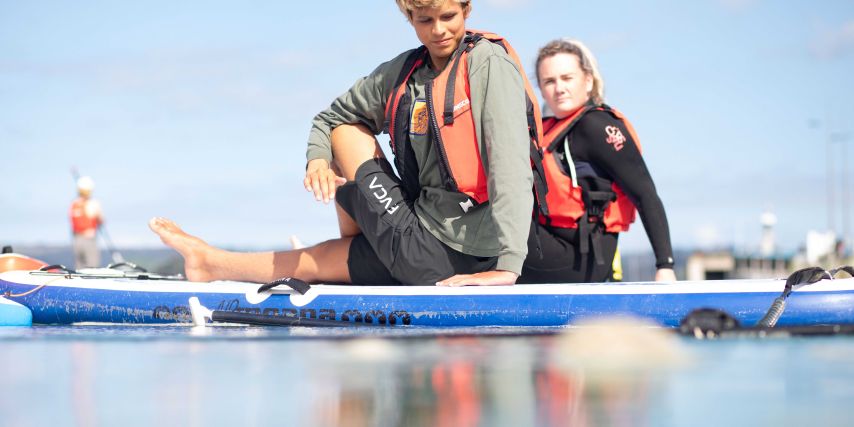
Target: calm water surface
point(246, 376)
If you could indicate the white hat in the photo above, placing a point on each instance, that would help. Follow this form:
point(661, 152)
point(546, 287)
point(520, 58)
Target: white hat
point(85, 183)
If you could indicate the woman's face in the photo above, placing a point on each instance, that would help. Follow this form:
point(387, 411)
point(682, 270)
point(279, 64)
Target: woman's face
point(564, 85)
point(440, 29)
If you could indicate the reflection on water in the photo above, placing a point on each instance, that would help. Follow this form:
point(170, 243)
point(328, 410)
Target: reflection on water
point(255, 376)
point(452, 382)
point(83, 362)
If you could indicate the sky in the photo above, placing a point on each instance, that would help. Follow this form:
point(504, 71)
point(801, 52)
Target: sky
point(199, 111)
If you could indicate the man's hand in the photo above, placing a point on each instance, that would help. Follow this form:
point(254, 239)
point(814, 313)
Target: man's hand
point(485, 278)
point(321, 180)
point(665, 275)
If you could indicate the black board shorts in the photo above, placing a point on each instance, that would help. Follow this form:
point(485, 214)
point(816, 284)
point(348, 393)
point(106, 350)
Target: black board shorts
point(554, 257)
point(394, 248)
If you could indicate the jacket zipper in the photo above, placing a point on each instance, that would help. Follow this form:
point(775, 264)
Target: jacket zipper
point(448, 178)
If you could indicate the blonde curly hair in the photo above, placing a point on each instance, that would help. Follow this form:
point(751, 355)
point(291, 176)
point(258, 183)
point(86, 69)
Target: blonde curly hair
point(407, 6)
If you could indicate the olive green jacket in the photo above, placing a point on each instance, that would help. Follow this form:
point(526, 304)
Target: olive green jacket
point(497, 228)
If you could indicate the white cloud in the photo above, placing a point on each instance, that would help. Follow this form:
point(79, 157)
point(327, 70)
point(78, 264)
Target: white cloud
point(834, 42)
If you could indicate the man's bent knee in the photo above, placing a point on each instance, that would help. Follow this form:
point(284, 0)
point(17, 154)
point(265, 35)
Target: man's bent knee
point(352, 145)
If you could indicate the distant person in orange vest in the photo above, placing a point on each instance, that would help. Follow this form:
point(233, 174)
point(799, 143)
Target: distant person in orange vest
point(85, 216)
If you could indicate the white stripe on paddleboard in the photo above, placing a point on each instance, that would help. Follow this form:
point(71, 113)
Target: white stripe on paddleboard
point(695, 287)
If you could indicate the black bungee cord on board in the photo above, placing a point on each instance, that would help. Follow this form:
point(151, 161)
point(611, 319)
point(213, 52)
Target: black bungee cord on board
point(710, 322)
point(261, 319)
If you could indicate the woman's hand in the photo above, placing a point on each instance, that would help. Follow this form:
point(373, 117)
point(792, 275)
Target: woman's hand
point(484, 278)
point(665, 275)
point(321, 180)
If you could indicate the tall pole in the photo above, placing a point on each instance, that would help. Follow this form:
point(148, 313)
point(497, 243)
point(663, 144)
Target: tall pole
point(845, 189)
point(830, 176)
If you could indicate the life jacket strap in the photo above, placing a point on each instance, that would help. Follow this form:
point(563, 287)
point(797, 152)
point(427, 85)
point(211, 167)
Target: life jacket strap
point(541, 187)
point(466, 45)
point(596, 202)
point(596, 195)
point(396, 122)
point(590, 238)
point(413, 61)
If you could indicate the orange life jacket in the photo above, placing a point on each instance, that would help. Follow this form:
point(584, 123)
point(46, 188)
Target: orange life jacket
point(564, 203)
point(450, 121)
point(81, 222)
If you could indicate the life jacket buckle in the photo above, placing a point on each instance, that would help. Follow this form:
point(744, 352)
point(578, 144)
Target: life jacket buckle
point(448, 118)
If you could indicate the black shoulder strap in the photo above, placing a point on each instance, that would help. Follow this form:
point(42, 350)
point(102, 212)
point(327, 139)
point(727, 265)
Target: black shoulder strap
point(466, 45)
point(541, 186)
point(405, 72)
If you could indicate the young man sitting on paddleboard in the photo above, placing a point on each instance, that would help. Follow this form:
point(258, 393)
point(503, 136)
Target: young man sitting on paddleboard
point(458, 214)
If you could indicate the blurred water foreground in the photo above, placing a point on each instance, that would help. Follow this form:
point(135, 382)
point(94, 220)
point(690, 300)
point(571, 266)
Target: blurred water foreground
point(608, 372)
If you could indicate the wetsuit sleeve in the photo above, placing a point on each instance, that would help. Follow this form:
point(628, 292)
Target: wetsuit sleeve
point(364, 103)
point(498, 108)
point(616, 153)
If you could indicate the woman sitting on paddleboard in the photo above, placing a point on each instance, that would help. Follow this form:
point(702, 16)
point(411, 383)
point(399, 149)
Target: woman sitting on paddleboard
point(459, 212)
point(591, 177)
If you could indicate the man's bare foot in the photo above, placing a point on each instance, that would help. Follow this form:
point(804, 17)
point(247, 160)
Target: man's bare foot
point(195, 251)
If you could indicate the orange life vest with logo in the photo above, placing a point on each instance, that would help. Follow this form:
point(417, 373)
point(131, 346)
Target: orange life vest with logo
point(81, 222)
point(450, 121)
point(564, 203)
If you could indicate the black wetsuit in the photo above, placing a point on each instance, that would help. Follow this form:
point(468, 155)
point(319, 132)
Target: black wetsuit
point(552, 253)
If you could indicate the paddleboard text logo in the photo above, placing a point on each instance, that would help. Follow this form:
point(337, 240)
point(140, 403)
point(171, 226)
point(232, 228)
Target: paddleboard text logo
point(370, 317)
point(179, 313)
point(615, 137)
point(382, 195)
